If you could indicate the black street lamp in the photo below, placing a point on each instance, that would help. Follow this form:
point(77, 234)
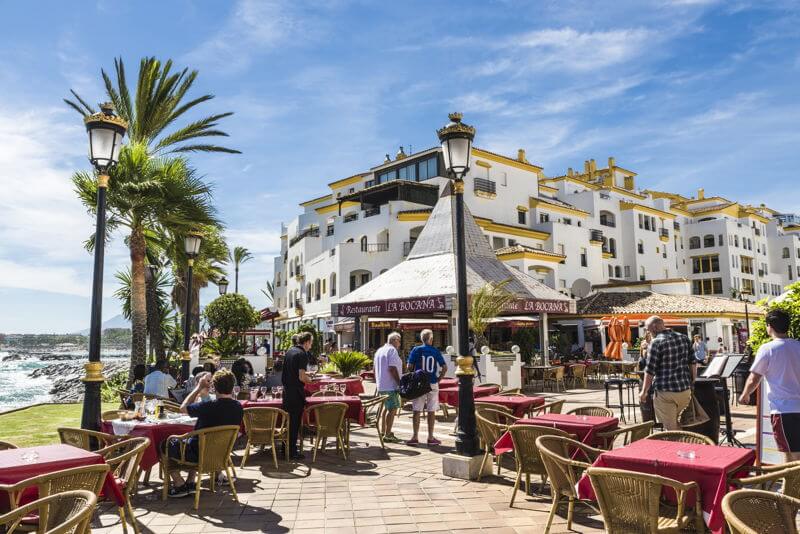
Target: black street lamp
point(222, 285)
point(742, 294)
point(191, 245)
point(456, 139)
point(106, 131)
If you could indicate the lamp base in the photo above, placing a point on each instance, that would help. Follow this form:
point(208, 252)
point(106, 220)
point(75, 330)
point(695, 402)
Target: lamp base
point(464, 467)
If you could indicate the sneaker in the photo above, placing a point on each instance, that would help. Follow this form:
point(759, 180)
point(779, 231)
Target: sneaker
point(391, 438)
point(412, 442)
point(191, 488)
point(434, 441)
point(297, 456)
point(176, 493)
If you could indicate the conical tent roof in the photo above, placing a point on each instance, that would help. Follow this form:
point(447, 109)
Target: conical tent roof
point(429, 272)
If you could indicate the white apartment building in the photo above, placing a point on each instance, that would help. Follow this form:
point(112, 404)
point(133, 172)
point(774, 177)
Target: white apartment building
point(593, 226)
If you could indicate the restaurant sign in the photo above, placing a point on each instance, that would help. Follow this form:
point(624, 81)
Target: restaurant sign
point(409, 306)
point(539, 306)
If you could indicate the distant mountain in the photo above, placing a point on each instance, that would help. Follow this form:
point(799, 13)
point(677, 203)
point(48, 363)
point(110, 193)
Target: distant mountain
point(118, 321)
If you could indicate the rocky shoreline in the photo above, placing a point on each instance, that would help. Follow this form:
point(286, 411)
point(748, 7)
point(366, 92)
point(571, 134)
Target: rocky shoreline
point(66, 377)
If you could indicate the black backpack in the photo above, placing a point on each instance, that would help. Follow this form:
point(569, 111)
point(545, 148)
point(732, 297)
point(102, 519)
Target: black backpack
point(415, 384)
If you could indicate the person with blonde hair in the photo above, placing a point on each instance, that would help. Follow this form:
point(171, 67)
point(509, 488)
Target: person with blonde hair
point(429, 359)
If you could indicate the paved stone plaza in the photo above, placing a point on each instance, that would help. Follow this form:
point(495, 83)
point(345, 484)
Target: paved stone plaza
point(399, 490)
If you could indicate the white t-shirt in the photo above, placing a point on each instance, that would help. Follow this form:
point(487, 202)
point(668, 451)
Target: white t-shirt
point(386, 357)
point(779, 363)
point(158, 383)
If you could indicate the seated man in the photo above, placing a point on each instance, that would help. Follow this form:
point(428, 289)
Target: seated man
point(275, 380)
point(224, 410)
point(159, 381)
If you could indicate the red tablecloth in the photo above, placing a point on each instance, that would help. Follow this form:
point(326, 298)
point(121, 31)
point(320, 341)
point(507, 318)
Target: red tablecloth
point(519, 405)
point(710, 469)
point(355, 410)
point(450, 395)
point(354, 385)
point(448, 383)
point(156, 433)
point(52, 458)
point(586, 430)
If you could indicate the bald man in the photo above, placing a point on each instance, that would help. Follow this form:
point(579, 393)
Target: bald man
point(671, 369)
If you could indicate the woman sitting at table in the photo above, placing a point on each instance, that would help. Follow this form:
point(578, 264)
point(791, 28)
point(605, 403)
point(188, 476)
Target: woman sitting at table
point(222, 411)
point(243, 372)
point(139, 371)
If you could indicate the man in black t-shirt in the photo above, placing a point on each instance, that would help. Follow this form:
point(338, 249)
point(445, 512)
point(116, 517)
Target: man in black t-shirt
point(294, 378)
point(224, 410)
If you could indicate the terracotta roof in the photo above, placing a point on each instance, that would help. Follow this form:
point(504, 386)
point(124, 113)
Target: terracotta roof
point(608, 303)
point(524, 248)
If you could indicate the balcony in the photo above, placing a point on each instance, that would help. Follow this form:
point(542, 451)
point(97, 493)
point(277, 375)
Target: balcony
point(663, 232)
point(595, 235)
point(374, 247)
point(607, 222)
point(351, 217)
point(605, 196)
point(371, 212)
point(487, 187)
point(312, 231)
point(757, 231)
point(676, 226)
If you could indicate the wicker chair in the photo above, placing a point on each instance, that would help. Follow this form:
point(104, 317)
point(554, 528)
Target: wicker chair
point(760, 512)
point(68, 512)
point(767, 478)
point(78, 437)
point(375, 414)
point(489, 431)
point(329, 422)
point(564, 471)
point(89, 478)
point(630, 502)
point(593, 372)
point(325, 393)
point(577, 374)
point(683, 437)
point(490, 385)
point(111, 415)
point(593, 411)
point(630, 434)
point(529, 462)
point(513, 392)
point(502, 416)
point(554, 377)
point(214, 445)
point(550, 407)
point(6, 445)
point(124, 458)
point(265, 426)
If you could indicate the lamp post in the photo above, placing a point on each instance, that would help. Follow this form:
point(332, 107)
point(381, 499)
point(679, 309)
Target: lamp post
point(222, 285)
point(456, 138)
point(746, 314)
point(106, 131)
point(191, 245)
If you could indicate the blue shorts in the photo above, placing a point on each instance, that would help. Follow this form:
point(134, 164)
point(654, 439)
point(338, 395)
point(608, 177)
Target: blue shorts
point(393, 399)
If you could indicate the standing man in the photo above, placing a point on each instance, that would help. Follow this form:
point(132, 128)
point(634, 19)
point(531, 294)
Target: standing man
point(779, 362)
point(159, 381)
point(428, 358)
point(388, 367)
point(294, 379)
point(670, 371)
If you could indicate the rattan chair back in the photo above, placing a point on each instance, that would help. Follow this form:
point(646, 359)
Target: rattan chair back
point(785, 477)
point(525, 450)
point(489, 430)
point(111, 415)
point(215, 446)
point(78, 437)
point(374, 412)
point(326, 393)
point(760, 512)
point(329, 422)
point(592, 411)
point(563, 471)
point(682, 436)
point(7, 445)
point(263, 427)
point(551, 407)
point(69, 512)
point(123, 459)
point(497, 414)
point(578, 373)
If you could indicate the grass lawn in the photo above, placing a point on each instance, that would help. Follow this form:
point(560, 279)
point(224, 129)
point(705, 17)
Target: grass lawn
point(37, 425)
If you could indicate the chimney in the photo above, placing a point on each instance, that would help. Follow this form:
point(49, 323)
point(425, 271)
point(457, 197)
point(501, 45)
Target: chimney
point(521, 155)
point(593, 163)
point(586, 166)
point(388, 159)
point(701, 194)
point(570, 171)
point(611, 162)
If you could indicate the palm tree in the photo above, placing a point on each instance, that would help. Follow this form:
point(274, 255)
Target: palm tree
point(159, 305)
point(269, 291)
point(487, 303)
point(153, 197)
point(239, 256)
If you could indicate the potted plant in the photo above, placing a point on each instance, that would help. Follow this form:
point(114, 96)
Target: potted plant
point(348, 362)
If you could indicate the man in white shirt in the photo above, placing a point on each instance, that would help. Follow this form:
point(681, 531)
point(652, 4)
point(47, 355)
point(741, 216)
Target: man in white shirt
point(158, 382)
point(388, 367)
point(779, 363)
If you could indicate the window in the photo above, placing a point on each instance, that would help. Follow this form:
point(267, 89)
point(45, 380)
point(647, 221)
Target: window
point(790, 272)
point(763, 287)
point(642, 275)
point(640, 246)
point(707, 286)
point(365, 278)
point(512, 242)
point(612, 247)
point(363, 243)
point(329, 231)
point(503, 178)
point(498, 242)
point(308, 292)
point(324, 286)
point(641, 221)
point(562, 283)
point(561, 248)
point(720, 240)
point(694, 242)
point(736, 241)
point(647, 223)
point(317, 289)
point(747, 285)
point(617, 271)
point(747, 265)
point(798, 271)
point(708, 241)
point(544, 217)
point(521, 217)
point(413, 172)
point(566, 220)
point(584, 260)
point(333, 284)
point(278, 279)
point(786, 252)
point(353, 282)
point(705, 264)
point(610, 271)
point(607, 219)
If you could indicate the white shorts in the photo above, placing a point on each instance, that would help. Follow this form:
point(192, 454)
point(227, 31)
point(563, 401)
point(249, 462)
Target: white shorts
point(428, 402)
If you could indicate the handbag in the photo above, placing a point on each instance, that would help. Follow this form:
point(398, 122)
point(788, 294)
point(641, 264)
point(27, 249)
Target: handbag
point(693, 414)
point(414, 384)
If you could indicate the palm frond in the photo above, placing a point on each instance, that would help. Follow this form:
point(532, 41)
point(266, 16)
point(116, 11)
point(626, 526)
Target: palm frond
point(487, 303)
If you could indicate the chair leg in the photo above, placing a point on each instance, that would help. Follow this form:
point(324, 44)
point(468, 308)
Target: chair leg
point(165, 486)
point(197, 490)
point(483, 463)
point(214, 482)
point(570, 509)
point(340, 439)
point(121, 511)
point(316, 446)
point(274, 454)
point(499, 458)
point(556, 501)
point(132, 517)
point(228, 470)
point(246, 454)
point(516, 487)
point(527, 483)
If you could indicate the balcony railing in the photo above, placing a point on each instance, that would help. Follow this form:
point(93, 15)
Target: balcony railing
point(370, 183)
point(663, 232)
point(351, 217)
point(758, 231)
point(374, 247)
point(312, 231)
point(372, 211)
point(407, 246)
point(485, 186)
point(608, 222)
point(595, 235)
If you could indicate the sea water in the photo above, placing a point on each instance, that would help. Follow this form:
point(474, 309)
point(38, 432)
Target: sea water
point(17, 389)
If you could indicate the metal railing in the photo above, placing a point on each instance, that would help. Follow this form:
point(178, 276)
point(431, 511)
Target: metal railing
point(663, 232)
point(676, 225)
point(596, 235)
point(351, 217)
point(485, 186)
point(374, 247)
point(372, 211)
point(312, 231)
point(608, 222)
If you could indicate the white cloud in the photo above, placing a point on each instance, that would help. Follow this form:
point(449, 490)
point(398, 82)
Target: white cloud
point(727, 109)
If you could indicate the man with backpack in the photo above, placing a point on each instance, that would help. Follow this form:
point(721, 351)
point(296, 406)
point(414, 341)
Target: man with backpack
point(427, 358)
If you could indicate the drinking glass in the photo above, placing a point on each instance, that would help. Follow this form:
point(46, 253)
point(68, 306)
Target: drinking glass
point(341, 388)
point(263, 390)
point(236, 391)
point(280, 392)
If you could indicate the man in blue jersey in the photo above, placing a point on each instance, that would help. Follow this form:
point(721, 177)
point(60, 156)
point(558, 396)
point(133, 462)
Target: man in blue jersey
point(428, 358)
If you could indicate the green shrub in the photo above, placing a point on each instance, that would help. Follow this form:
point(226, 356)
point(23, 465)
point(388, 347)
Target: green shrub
point(224, 346)
point(790, 303)
point(285, 338)
point(349, 362)
point(231, 313)
point(108, 391)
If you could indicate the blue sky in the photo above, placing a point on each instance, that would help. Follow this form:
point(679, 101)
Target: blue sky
point(688, 93)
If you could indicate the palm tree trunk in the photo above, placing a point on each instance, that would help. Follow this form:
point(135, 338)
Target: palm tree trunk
point(138, 300)
point(154, 318)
